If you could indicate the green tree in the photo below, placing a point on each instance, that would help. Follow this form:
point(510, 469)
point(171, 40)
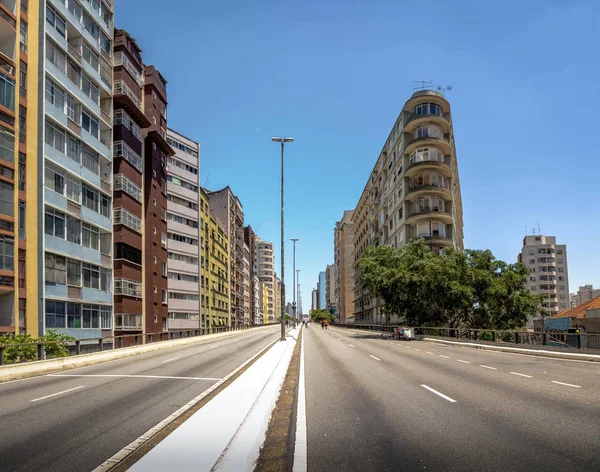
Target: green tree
point(58, 344)
point(457, 289)
point(321, 315)
point(14, 353)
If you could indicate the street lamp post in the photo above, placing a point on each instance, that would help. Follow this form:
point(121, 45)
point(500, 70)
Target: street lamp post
point(294, 240)
point(282, 141)
point(299, 311)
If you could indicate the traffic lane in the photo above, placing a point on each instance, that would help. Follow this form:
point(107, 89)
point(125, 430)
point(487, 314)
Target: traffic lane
point(347, 425)
point(527, 410)
point(380, 420)
point(583, 373)
point(79, 431)
point(184, 361)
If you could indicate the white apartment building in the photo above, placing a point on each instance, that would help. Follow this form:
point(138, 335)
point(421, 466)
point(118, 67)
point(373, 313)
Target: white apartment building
point(183, 216)
point(264, 268)
point(549, 274)
point(75, 165)
point(412, 192)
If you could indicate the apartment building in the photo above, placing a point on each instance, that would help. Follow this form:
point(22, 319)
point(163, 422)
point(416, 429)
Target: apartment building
point(19, 136)
point(322, 290)
point(264, 301)
point(248, 294)
point(330, 301)
point(250, 239)
point(257, 301)
point(72, 89)
point(277, 308)
point(548, 271)
point(344, 271)
point(227, 208)
point(585, 294)
point(413, 190)
point(183, 232)
point(128, 168)
point(214, 267)
point(264, 262)
point(315, 300)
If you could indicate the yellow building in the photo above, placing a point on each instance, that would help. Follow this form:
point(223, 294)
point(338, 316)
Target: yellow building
point(214, 276)
point(265, 302)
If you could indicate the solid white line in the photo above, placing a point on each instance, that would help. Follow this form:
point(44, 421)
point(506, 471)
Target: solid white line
point(132, 376)
point(445, 357)
point(57, 393)
point(464, 362)
point(407, 347)
point(427, 352)
point(521, 375)
point(438, 393)
point(351, 345)
point(376, 358)
point(417, 349)
point(300, 449)
point(487, 367)
point(169, 360)
point(568, 385)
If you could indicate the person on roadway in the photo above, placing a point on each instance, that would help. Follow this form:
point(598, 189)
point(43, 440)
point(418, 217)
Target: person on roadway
point(322, 324)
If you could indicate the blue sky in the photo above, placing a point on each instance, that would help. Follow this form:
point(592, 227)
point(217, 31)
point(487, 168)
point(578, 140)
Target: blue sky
point(335, 75)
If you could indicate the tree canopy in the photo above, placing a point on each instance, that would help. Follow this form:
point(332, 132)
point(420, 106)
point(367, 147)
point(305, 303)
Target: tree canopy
point(321, 315)
point(457, 289)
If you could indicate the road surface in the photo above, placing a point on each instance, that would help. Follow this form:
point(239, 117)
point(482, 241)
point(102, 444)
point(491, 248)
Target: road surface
point(384, 405)
point(75, 420)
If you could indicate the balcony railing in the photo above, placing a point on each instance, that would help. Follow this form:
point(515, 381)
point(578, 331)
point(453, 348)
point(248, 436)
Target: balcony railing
point(121, 60)
point(121, 88)
point(11, 21)
point(7, 65)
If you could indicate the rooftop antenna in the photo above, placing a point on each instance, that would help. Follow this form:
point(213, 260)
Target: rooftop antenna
point(422, 84)
point(443, 89)
point(206, 180)
point(538, 227)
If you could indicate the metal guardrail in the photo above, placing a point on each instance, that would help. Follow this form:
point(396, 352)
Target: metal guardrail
point(567, 340)
point(90, 345)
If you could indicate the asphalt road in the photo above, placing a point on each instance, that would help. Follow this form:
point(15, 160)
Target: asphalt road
point(385, 405)
point(74, 421)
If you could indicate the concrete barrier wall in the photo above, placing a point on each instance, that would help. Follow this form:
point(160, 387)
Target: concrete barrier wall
point(48, 366)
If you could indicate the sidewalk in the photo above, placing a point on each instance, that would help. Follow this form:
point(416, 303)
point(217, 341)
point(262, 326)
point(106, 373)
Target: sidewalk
point(227, 433)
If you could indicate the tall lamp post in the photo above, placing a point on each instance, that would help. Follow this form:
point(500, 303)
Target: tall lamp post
point(282, 141)
point(294, 240)
point(299, 311)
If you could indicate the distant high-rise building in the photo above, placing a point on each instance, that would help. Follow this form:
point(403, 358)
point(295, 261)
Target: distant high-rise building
point(344, 271)
point(315, 299)
point(330, 300)
point(322, 289)
point(264, 260)
point(412, 192)
point(586, 293)
point(549, 274)
point(250, 239)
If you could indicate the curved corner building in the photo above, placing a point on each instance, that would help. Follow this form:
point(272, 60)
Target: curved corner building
point(413, 190)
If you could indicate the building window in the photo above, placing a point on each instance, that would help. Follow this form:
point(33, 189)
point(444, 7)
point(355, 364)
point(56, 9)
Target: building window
point(22, 124)
point(154, 201)
point(129, 253)
point(163, 268)
point(7, 253)
point(90, 198)
point(164, 296)
point(7, 192)
point(23, 37)
point(91, 316)
point(56, 21)
point(73, 230)
point(7, 138)
point(154, 289)
point(90, 124)
point(22, 162)
point(73, 315)
point(128, 287)
point(427, 109)
point(123, 183)
point(154, 259)
point(21, 219)
point(153, 230)
point(90, 236)
point(56, 269)
point(91, 276)
point(73, 273)
point(73, 190)
point(21, 269)
point(561, 269)
point(427, 154)
point(54, 179)
point(106, 317)
point(55, 314)
point(55, 223)
point(90, 159)
point(55, 137)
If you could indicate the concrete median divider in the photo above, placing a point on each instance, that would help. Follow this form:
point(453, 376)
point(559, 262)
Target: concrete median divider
point(49, 366)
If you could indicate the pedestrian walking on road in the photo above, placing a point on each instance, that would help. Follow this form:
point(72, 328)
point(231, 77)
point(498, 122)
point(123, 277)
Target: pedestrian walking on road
point(326, 324)
point(322, 324)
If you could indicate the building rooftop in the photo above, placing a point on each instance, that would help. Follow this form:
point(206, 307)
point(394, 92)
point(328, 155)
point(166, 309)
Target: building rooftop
point(579, 311)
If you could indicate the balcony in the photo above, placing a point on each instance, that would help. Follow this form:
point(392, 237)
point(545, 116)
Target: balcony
point(126, 99)
point(442, 190)
point(7, 66)
point(428, 213)
point(125, 322)
point(7, 14)
point(442, 142)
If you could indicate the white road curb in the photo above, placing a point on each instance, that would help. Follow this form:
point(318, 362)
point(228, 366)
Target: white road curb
point(300, 450)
